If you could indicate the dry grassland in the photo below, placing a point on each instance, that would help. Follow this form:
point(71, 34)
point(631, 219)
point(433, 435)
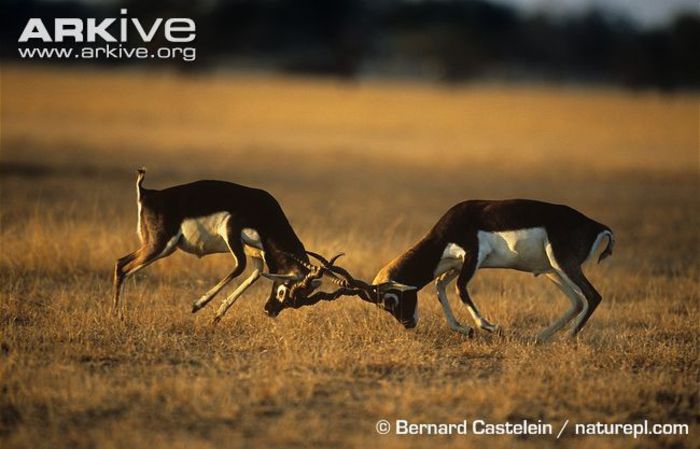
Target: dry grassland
point(363, 168)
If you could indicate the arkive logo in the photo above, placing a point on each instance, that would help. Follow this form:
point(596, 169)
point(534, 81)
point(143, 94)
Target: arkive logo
point(174, 30)
point(103, 32)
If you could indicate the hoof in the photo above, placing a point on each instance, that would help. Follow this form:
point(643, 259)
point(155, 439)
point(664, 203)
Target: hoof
point(498, 330)
point(216, 319)
point(488, 327)
point(198, 305)
point(466, 331)
point(542, 339)
point(572, 337)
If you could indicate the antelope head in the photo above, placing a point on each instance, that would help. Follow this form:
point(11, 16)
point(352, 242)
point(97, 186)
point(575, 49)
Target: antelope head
point(398, 299)
point(294, 290)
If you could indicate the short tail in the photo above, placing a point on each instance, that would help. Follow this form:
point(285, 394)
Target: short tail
point(141, 174)
point(139, 180)
point(611, 245)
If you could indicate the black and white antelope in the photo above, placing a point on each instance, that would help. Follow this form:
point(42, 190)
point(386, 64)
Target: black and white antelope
point(207, 217)
point(525, 235)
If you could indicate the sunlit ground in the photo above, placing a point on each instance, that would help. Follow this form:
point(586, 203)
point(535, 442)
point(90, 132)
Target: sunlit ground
point(360, 168)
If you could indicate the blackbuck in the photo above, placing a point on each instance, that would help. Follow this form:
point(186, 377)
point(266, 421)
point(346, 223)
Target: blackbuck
point(525, 235)
point(207, 217)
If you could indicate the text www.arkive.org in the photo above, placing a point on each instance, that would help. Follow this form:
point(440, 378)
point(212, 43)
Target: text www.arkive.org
point(107, 52)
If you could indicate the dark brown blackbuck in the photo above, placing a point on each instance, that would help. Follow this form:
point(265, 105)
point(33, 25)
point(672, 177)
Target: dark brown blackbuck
point(208, 217)
point(524, 235)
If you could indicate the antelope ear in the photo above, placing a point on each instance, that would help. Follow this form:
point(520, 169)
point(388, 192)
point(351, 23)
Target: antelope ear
point(391, 285)
point(281, 277)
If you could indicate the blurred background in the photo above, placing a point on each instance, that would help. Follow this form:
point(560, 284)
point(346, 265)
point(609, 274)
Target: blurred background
point(644, 43)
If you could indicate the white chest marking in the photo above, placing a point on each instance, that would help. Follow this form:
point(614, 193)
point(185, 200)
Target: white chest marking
point(523, 249)
point(250, 237)
point(452, 259)
point(253, 243)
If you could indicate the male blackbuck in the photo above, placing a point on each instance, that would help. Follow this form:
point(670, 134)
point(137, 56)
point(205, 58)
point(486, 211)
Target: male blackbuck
point(524, 235)
point(207, 217)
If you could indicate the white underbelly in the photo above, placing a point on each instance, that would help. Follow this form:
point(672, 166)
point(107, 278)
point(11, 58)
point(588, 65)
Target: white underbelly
point(523, 249)
point(206, 235)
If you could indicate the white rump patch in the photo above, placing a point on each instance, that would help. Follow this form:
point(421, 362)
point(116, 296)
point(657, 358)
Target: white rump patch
point(596, 245)
point(139, 231)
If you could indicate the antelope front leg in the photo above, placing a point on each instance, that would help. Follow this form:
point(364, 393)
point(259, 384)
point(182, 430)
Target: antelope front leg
point(576, 306)
point(208, 296)
point(228, 302)
point(468, 270)
point(440, 284)
point(234, 244)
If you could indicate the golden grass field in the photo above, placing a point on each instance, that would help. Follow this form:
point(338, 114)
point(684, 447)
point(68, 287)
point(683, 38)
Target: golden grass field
point(364, 168)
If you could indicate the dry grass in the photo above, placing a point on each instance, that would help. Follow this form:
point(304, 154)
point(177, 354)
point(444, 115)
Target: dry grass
point(363, 168)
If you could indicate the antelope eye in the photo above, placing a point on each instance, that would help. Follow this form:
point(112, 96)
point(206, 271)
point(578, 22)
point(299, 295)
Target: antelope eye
point(281, 293)
point(391, 300)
